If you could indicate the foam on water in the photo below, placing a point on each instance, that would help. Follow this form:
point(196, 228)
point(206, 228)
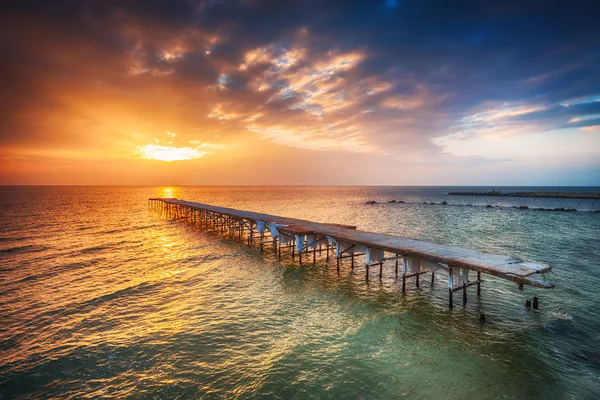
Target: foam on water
point(101, 298)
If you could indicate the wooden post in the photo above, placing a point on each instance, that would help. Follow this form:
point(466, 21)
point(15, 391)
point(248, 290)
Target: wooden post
point(279, 253)
point(352, 261)
point(381, 270)
point(465, 273)
point(404, 268)
point(478, 283)
point(396, 264)
point(535, 303)
point(450, 305)
point(367, 270)
point(432, 276)
point(262, 236)
point(418, 278)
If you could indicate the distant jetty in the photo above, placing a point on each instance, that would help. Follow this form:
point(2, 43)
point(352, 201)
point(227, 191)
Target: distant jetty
point(546, 195)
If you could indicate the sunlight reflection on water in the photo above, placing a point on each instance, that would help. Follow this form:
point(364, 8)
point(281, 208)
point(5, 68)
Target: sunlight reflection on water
point(120, 302)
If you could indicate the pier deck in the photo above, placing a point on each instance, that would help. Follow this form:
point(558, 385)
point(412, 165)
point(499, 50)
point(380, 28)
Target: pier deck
point(345, 241)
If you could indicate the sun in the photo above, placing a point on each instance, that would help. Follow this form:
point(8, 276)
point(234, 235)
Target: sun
point(170, 153)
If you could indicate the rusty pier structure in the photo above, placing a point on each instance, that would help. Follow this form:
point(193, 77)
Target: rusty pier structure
point(308, 240)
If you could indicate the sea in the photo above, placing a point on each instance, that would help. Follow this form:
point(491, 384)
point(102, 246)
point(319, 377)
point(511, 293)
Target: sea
point(100, 297)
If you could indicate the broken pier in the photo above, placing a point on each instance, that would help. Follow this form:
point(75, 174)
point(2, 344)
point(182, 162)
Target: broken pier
point(411, 258)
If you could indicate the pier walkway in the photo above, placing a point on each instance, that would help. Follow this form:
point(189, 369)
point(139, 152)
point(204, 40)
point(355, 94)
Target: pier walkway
point(305, 238)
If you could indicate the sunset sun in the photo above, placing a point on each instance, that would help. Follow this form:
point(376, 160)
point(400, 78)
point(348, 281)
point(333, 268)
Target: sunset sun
point(170, 153)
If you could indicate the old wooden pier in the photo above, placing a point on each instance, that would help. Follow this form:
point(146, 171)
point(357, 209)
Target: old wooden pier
point(412, 258)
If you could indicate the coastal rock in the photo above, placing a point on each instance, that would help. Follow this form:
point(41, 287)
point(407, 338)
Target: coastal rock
point(444, 202)
point(371, 202)
point(489, 206)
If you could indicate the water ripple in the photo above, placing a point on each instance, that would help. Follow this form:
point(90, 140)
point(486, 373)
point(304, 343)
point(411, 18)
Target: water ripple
point(100, 298)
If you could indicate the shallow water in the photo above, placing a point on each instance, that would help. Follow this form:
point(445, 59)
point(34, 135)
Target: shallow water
point(101, 298)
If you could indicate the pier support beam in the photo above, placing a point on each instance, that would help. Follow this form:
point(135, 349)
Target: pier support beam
point(465, 276)
point(450, 291)
point(404, 269)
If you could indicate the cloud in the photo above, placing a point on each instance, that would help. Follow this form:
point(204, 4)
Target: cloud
point(381, 78)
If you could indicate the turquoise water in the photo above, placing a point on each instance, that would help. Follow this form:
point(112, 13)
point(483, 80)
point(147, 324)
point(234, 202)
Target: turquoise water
point(101, 298)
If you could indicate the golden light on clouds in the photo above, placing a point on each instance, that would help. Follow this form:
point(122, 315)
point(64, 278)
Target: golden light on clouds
point(100, 101)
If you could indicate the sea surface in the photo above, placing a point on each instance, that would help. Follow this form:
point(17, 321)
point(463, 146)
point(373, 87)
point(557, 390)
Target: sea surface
point(102, 298)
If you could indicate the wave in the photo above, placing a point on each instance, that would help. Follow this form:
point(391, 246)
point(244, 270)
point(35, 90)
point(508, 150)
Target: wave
point(94, 249)
point(32, 248)
point(95, 302)
point(106, 246)
point(126, 229)
point(9, 239)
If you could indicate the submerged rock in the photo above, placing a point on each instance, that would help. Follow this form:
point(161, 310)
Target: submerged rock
point(489, 206)
point(392, 201)
point(371, 202)
point(443, 202)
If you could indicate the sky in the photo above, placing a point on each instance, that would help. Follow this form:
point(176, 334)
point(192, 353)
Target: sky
point(250, 92)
